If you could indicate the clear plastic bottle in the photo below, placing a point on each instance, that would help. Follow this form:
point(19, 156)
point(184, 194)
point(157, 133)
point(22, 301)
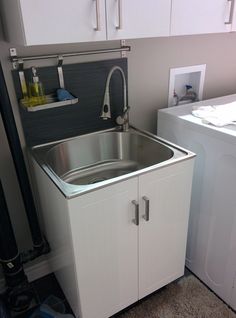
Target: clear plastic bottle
point(36, 90)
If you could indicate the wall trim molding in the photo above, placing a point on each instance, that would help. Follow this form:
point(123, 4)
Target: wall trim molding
point(33, 272)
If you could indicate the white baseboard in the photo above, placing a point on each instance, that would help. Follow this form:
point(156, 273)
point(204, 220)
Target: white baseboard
point(33, 272)
point(38, 270)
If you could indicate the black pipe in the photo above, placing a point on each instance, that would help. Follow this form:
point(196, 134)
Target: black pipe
point(19, 294)
point(17, 155)
point(4, 312)
point(9, 255)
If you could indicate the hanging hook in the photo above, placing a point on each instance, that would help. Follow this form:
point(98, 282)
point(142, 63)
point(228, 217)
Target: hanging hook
point(22, 79)
point(60, 71)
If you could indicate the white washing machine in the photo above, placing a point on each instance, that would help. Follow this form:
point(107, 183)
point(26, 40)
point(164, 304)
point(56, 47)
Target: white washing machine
point(211, 247)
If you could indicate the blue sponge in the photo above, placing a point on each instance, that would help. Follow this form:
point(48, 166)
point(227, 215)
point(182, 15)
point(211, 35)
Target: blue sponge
point(63, 94)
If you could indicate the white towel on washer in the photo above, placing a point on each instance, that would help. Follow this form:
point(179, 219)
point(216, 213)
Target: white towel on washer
point(218, 115)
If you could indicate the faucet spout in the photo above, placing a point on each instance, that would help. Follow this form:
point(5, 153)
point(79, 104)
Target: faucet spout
point(106, 107)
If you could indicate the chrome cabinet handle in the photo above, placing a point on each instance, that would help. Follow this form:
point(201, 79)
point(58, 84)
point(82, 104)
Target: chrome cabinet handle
point(147, 205)
point(120, 23)
point(136, 219)
point(98, 27)
point(231, 12)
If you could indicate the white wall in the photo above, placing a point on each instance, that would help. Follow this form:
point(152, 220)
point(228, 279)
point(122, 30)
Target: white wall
point(151, 60)
point(149, 64)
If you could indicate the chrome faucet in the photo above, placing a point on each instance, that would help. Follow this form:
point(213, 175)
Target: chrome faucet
point(122, 120)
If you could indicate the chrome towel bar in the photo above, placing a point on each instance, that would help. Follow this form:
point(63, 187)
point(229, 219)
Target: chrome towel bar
point(16, 59)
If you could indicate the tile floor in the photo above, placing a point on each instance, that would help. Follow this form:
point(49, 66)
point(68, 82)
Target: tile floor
point(42, 288)
point(48, 285)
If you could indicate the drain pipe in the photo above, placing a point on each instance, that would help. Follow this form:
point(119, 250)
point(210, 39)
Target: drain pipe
point(40, 245)
point(18, 294)
point(9, 255)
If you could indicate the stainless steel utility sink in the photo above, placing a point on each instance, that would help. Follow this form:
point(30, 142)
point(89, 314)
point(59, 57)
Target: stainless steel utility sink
point(103, 156)
point(86, 162)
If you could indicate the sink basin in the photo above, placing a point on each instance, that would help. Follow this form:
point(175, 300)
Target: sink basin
point(86, 162)
point(98, 157)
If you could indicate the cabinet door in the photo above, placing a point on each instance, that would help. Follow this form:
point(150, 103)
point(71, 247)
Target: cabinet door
point(137, 19)
point(106, 252)
point(200, 16)
point(162, 239)
point(234, 18)
point(59, 21)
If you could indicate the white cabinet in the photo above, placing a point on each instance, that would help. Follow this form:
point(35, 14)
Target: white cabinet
point(198, 16)
point(59, 21)
point(55, 21)
point(162, 239)
point(106, 249)
point(103, 259)
point(234, 18)
point(137, 19)
point(129, 261)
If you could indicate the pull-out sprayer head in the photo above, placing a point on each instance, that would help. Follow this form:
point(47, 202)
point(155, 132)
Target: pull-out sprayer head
point(106, 108)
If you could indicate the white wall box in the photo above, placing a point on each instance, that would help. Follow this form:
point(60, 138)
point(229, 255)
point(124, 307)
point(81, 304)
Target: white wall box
point(182, 76)
point(208, 16)
point(60, 21)
point(211, 245)
point(102, 259)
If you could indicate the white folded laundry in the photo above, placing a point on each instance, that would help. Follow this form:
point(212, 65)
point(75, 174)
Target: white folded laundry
point(217, 115)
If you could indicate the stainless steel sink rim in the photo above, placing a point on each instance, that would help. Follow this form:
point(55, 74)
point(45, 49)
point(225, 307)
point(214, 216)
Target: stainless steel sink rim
point(72, 190)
